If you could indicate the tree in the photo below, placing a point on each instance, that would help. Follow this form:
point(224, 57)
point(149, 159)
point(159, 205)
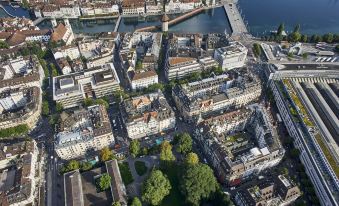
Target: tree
point(156, 188)
point(192, 158)
point(305, 55)
point(284, 171)
point(106, 154)
point(88, 102)
point(166, 152)
point(102, 102)
point(54, 70)
point(256, 49)
point(134, 147)
point(154, 87)
point(218, 70)
point(3, 45)
point(136, 202)
point(59, 107)
point(104, 182)
point(219, 198)
point(297, 29)
point(138, 65)
point(184, 144)
point(85, 166)
point(198, 182)
point(295, 37)
point(116, 204)
point(328, 38)
point(304, 38)
point(280, 30)
point(45, 108)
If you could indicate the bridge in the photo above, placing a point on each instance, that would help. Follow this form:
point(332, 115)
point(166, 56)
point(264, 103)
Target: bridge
point(38, 21)
point(117, 24)
point(237, 23)
point(173, 21)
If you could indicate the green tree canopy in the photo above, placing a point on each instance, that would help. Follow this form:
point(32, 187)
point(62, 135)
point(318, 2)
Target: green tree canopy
point(3, 45)
point(106, 154)
point(256, 49)
point(156, 188)
point(184, 144)
point(337, 48)
point(166, 151)
point(59, 107)
point(134, 148)
point(295, 37)
point(45, 108)
point(198, 182)
point(85, 166)
point(280, 30)
point(192, 158)
point(104, 182)
point(328, 38)
point(136, 202)
point(14, 131)
point(116, 204)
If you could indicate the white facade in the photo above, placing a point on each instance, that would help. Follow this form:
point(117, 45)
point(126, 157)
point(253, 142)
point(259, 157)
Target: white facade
point(133, 10)
point(144, 82)
point(64, 52)
point(232, 56)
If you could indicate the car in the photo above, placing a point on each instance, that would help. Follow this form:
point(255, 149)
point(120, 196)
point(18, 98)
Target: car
point(180, 118)
point(232, 188)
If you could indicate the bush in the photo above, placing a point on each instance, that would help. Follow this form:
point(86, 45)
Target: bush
point(140, 167)
point(14, 131)
point(104, 182)
point(126, 174)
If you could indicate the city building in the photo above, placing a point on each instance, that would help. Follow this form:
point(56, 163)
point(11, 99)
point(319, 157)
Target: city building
point(215, 94)
point(81, 189)
point(133, 7)
point(240, 144)
point(63, 33)
point(180, 67)
point(97, 52)
point(231, 56)
point(70, 90)
point(20, 106)
point(306, 96)
point(18, 173)
point(60, 11)
point(147, 115)
point(82, 131)
point(70, 51)
point(142, 78)
point(21, 72)
point(280, 191)
point(20, 37)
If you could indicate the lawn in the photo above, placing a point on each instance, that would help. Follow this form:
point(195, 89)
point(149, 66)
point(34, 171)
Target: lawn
point(175, 197)
point(140, 167)
point(126, 174)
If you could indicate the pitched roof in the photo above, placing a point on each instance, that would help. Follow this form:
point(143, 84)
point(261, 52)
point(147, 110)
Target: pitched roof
point(165, 18)
point(58, 32)
point(142, 75)
point(16, 38)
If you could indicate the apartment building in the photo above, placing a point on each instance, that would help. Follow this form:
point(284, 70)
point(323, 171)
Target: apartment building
point(20, 106)
point(60, 11)
point(133, 7)
point(306, 113)
point(180, 67)
point(234, 149)
point(147, 115)
point(215, 94)
point(279, 190)
point(231, 56)
point(21, 72)
point(20, 37)
point(71, 90)
point(83, 130)
point(142, 78)
point(18, 178)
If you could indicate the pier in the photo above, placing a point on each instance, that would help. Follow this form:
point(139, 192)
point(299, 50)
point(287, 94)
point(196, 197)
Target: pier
point(236, 21)
point(117, 24)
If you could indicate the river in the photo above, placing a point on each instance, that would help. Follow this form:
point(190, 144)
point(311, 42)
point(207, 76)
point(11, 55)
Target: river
point(315, 17)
